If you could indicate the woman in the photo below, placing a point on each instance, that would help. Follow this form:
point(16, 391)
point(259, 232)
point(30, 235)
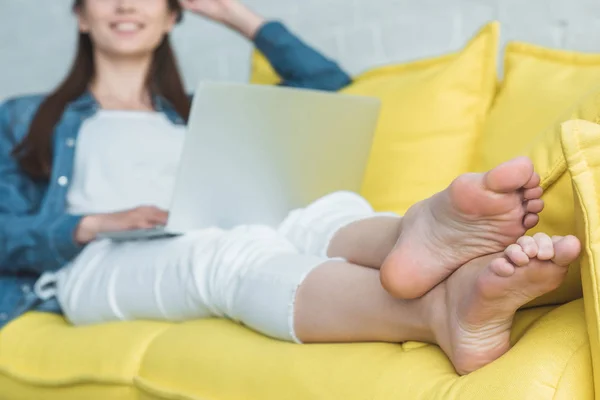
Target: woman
point(82, 161)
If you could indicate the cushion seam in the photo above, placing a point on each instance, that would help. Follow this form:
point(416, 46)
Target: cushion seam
point(155, 390)
point(553, 176)
point(64, 382)
point(585, 210)
point(562, 375)
point(79, 380)
point(557, 55)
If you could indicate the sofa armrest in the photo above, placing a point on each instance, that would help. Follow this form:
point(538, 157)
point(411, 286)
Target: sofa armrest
point(581, 146)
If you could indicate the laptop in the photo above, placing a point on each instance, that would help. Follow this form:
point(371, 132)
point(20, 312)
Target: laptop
point(253, 153)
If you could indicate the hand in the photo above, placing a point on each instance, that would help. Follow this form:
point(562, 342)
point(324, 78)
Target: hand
point(229, 12)
point(139, 218)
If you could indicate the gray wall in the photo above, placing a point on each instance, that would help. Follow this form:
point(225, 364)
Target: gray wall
point(37, 36)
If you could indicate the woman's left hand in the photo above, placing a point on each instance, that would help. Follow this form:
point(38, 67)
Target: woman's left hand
point(229, 12)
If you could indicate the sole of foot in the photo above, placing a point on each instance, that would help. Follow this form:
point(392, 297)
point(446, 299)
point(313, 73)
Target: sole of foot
point(477, 214)
point(482, 297)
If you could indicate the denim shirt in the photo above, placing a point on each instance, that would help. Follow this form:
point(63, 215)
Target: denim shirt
point(36, 233)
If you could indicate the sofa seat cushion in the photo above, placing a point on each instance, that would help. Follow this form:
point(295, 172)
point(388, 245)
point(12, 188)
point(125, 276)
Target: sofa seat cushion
point(218, 360)
point(41, 353)
point(42, 357)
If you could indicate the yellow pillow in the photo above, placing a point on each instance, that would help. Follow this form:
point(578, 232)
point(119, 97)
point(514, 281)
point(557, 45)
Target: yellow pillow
point(581, 145)
point(540, 87)
point(431, 119)
point(540, 84)
point(262, 73)
point(558, 218)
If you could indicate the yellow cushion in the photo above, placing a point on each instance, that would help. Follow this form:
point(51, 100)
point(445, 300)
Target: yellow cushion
point(42, 357)
point(558, 216)
point(581, 144)
point(229, 362)
point(431, 119)
point(539, 86)
point(543, 88)
point(40, 354)
point(261, 71)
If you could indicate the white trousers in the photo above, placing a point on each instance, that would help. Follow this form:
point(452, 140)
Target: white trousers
point(249, 274)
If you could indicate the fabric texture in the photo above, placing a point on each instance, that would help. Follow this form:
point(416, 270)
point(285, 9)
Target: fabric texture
point(539, 86)
point(114, 173)
point(430, 122)
point(581, 143)
point(249, 274)
point(43, 357)
point(558, 217)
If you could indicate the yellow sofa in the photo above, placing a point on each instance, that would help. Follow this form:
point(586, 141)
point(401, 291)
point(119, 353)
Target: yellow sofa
point(441, 117)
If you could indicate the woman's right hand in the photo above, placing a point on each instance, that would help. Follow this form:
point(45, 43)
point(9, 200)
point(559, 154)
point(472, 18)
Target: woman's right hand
point(144, 217)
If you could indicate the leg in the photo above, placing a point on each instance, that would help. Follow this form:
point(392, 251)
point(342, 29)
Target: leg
point(155, 280)
point(197, 275)
point(343, 225)
point(478, 213)
point(366, 242)
point(341, 302)
point(469, 315)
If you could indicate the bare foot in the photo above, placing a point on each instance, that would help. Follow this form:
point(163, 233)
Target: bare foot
point(478, 214)
point(481, 298)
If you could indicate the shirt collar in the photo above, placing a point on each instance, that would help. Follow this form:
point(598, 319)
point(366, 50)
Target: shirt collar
point(87, 104)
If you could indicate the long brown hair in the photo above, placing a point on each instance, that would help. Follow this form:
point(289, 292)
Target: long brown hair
point(34, 153)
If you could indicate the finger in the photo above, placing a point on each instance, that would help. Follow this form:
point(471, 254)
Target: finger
point(158, 215)
point(143, 224)
point(545, 246)
point(159, 219)
point(516, 255)
point(529, 246)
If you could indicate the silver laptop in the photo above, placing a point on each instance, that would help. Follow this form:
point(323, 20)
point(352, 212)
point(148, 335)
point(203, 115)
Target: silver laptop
point(253, 153)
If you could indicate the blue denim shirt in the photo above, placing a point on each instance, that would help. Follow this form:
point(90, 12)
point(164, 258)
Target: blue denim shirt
point(36, 233)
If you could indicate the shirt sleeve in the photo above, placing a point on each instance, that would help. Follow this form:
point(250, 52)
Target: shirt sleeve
point(298, 64)
point(30, 240)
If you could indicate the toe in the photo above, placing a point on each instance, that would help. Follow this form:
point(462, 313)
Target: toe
point(534, 193)
point(545, 246)
point(534, 182)
point(556, 239)
point(502, 267)
point(529, 246)
point(530, 220)
point(510, 176)
point(566, 250)
point(516, 255)
point(534, 206)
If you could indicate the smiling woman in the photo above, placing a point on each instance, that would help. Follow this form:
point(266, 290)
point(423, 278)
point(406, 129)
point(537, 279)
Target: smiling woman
point(112, 35)
point(61, 181)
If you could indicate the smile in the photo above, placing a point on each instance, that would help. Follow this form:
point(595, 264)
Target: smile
point(127, 27)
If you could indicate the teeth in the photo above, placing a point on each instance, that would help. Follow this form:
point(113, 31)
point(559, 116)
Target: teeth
point(127, 27)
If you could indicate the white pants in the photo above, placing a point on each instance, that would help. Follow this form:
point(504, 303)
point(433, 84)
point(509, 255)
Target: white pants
point(249, 274)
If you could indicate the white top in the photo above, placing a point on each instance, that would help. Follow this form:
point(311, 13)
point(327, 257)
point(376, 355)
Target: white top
point(124, 159)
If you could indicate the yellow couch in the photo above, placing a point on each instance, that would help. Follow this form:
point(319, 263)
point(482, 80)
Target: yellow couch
point(441, 117)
